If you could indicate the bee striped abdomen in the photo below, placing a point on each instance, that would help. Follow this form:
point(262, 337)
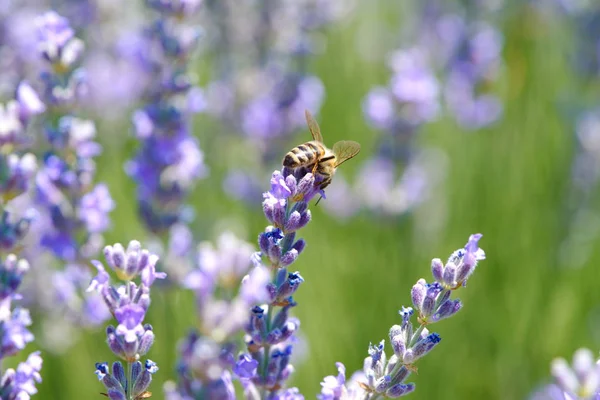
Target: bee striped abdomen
point(304, 154)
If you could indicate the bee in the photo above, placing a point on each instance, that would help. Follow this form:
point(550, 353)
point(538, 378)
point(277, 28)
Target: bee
point(315, 154)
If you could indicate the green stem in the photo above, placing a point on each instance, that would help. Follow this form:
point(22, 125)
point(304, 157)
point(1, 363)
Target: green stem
point(129, 383)
point(267, 351)
point(129, 366)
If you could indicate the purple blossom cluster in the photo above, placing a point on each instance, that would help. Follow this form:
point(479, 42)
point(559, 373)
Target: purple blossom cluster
point(579, 381)
point(16, 383)
point(169, 160)
point(384, 377)
point(128, 303)
point(270, 332)
point(18, 168)
point(76, 208)
point(72, 211)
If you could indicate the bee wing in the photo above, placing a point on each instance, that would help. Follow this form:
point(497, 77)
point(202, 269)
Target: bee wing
point(315, 131)
point(345, 150)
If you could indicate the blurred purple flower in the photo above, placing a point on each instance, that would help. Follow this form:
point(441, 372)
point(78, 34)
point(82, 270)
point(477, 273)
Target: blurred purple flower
point(20, 383)
point(169, 160)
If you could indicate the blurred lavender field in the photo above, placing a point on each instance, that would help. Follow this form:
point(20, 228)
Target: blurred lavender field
point(162, 121)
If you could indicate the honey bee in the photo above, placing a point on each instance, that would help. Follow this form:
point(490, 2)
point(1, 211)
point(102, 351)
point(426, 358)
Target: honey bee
point(324, 161)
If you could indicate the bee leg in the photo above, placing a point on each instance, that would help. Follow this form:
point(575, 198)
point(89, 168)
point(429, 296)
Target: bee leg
point(315, 168)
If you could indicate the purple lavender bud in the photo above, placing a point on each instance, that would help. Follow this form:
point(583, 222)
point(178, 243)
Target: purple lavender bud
point(111, 383)
point(288, 258)
point(114, 343)
point(264, 243)
point(245, 367)
point(447, 309)
point(299, 245)
point(290, 286)
point(274, 337)
point(421, 348)
point(306, 188)
point(437, 270)
point(418, 293)
point(300, 223)
point(433, 290)
point(101, 370)
point(258, 322)
point(274, 210)
point(142, 380)
point(288, 329)
point(146, 341)
point(115, 256)
point(400, 390)
point(398, 343)
point(115, 394)
point(449, 278)
point(119, 373)
point(383, 383)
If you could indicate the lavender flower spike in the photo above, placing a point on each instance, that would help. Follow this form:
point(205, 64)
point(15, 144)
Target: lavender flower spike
point(128, 303)
point(384, 377)
point(14, 334)
point(270, 330)
point(169, 160)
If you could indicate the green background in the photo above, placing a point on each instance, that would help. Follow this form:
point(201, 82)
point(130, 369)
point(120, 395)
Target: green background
point(510, 182)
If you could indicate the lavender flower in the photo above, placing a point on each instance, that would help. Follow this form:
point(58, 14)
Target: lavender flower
point(385, 378)
point(20, 383)
point(128, 303)
point(270, 330)
point(169, 160)
point(14, 334)
point(71, 211)
point(64, 183)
